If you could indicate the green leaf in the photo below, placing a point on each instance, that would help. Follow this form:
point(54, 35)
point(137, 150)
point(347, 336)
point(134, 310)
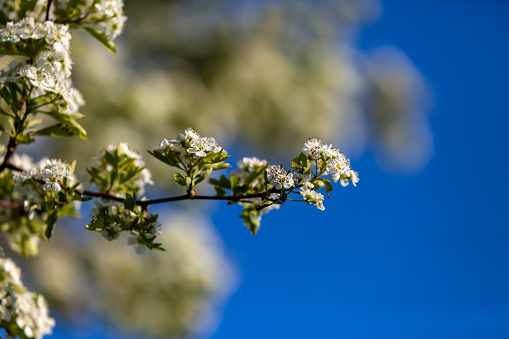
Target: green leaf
point(101, 37)
point(223, 182)
point(302, 163)
point(112, 158)
point(251, 220)
point(180, 179)
point(32, 123)
point(68, 210)
point(168, 158)
point(58, 130)
point(50, 224)
point(219, 191)
point(26, 5)
point(204, 175)
point(130, 201)
point(240, 189)
point(234, 180)
point(328, 187)
point(77, 129)
point(255, 174)
point(218, 166)
point(25, 138)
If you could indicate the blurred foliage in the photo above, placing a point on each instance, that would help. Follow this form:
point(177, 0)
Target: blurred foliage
point(162, 294)
point(269, 74)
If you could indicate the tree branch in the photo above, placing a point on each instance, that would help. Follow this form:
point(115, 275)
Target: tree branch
point(18, 126)
point(48, 9)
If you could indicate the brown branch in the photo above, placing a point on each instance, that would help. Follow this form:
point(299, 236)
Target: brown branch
point(18, 126)
point(47, 9)
point(10, 204)
point(188, 196)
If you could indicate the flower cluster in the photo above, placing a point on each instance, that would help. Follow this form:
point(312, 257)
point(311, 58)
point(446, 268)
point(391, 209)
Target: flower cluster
point(47, 65)
point(124, 165)
point(279, 178)
point(311, 196)
point(337, 164)
point(22, 313)
point(50, 171)
point(249, 167)
point(194, 155)
point(36, 194)
point(191, 143)
point(103, 16)
point(110, 218)
point(119, 171)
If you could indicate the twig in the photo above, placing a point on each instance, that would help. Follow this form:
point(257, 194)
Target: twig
point(11, 144)
point(47, 9)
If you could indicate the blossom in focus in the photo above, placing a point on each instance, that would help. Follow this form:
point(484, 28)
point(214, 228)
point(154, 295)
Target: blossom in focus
point(53, 173)
point(311, 196)
point(279, 178)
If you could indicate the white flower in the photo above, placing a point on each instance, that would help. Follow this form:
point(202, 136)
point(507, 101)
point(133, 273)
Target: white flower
point(279, 178)
point(29, 310)
point(250, 164)
point(22, 161)
point(354, 176)
point(311, 196)
point(173, 144)
point(10, 8)
point(189, 134)
point(314, 148)
point(338, 167)
point(53, 173)
point(200, 146)
point(58, 36)
point(56, 62)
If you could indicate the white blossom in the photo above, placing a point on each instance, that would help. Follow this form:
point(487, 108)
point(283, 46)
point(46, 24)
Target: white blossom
point(339, 167)
point(354, 176)
point(53, 174)
point(279, 178)
point(250, 164)
point(10, 8)
point(201, 146)
point(311, 196)
point(28, 310)
point(142, 179)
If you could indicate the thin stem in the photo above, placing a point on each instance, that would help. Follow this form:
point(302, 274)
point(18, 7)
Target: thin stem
point(18, 126)
point(47, 9)
point(187, 196)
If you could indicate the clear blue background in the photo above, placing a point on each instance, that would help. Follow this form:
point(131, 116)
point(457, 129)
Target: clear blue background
point(422, 256)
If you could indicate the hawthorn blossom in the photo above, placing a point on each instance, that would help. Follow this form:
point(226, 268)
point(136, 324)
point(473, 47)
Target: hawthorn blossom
point(250, 164)
point(314, 148)
point(311, 196)
point(279, 178)
point(144, 177)
point(53, 174)
point(354, 176)
point(201, 146)
point(21, 308)
point(339, 167)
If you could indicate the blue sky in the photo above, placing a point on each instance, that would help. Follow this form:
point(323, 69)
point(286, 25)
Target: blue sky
point(400, 256)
